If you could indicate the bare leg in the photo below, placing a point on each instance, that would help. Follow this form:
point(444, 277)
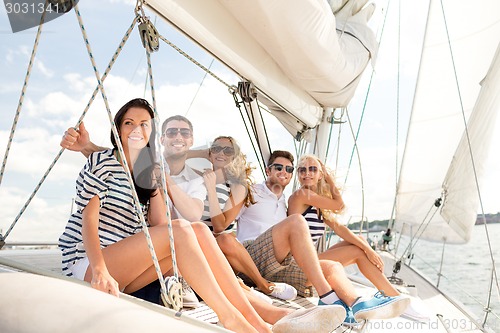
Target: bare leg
point(292, 236)
point(129, 262)
point(240, 260)
point(351, 254)
point(225, 277)
point(336, 277)
point(270, 313)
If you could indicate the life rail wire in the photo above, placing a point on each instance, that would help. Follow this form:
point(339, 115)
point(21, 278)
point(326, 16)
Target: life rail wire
point(460, 287)
point(122, 154)
point(23, 92)
point(471, 153)
point(423, 224)
point(163, 179)
point(92, 98)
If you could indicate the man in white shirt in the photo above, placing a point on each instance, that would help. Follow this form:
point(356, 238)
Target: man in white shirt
point(185, 187)
point(282, 249)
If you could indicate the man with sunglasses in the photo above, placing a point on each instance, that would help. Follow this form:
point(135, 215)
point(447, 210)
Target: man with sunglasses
point(185, 187)
point(282, 249)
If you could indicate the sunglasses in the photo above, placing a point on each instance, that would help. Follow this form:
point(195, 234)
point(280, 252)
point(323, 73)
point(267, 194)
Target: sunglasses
point(228, 151)
point(303, 170)
point(172, 132)
point(279, 167)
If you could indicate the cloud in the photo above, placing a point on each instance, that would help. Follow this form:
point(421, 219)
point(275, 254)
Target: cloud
point(42, 221)
point(43, 69)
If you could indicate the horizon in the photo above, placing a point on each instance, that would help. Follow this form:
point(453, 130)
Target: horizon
point(62, 81)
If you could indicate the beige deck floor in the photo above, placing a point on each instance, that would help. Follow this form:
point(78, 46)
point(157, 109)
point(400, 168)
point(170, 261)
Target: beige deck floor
point(445, 317)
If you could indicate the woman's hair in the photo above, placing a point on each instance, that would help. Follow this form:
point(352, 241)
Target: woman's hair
point(144, 181)
point(238, 170)
point(322, 187)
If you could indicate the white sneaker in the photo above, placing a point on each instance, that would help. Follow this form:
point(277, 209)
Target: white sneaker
point(189, 298)
point(283, 291)
point(262, 296)
point(417, 310)
point(318, 319)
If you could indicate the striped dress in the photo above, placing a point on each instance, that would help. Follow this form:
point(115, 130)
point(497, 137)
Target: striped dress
point(105, 177)
point(223, 191)
point(316, 224)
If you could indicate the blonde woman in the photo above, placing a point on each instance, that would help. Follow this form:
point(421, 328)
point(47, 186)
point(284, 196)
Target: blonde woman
point(318, 200)
point(228, 186)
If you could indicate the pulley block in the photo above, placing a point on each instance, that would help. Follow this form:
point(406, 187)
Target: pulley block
point(149, 36)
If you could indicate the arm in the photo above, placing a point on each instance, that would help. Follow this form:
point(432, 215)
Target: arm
point(157, 209)
point(346, 234)
point(305, 197)
point(79, 140)
point(221, 218)
point(200, 153)
point(190, 208)
point(101, 279)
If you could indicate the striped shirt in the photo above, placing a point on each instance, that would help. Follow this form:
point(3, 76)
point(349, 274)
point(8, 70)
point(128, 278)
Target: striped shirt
point(105, 177)
point(223, 191)
point(316, 224)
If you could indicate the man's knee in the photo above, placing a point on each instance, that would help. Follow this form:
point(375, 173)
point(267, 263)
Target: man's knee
point(295, 222)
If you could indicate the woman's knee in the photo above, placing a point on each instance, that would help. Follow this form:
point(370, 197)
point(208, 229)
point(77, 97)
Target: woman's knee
point(331, 267)
point(226, 243)
point(200, 228)
point(181, 228)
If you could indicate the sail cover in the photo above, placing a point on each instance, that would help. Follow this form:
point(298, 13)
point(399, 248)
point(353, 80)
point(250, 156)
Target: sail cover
point(433, 166)
point(290, 50)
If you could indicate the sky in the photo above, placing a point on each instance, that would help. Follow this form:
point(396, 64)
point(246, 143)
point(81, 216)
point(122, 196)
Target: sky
point(62, 81)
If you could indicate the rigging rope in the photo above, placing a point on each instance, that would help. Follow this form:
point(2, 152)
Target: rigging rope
point(173, 297)
point(187, 56)
point(494, 275)
point(122, 154)
point(92, 98)
point(234, 91)
point(391, 220)
point(21, 98)
point(355, 138)
point(423, 224)
point(199, 87)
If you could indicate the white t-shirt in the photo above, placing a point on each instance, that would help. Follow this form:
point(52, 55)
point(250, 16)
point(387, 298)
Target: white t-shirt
point(267, 211)
point(191, 183)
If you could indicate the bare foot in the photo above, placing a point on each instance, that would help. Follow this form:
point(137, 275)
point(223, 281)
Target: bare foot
point(237, 324)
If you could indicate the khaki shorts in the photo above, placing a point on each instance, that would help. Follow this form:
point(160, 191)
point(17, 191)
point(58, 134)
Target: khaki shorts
point(262, 252)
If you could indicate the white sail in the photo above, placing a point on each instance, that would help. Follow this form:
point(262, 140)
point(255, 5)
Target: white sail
point(298, 65)
point(460, 43)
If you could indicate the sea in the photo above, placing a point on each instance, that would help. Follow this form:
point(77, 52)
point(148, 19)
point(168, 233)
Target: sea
point(466, 271)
